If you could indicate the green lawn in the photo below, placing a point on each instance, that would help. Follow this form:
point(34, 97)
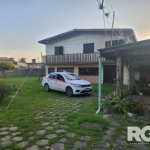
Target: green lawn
point(33, 107)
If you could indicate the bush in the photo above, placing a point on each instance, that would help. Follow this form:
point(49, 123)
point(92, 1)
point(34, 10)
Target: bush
point(5, 90)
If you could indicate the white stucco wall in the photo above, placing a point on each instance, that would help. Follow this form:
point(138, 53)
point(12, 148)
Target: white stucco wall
point(75, 44)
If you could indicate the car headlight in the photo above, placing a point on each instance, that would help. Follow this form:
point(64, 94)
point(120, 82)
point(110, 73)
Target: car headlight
point(76, 85)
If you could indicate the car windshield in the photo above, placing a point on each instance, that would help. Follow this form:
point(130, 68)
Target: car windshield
point(72, 77)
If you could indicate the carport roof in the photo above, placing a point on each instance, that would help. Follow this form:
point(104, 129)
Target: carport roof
point(138, 51)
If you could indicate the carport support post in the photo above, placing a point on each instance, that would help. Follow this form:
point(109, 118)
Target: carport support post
point(118, 81)
point(99, 83)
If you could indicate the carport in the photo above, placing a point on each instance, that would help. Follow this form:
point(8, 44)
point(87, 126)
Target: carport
point(134, 57)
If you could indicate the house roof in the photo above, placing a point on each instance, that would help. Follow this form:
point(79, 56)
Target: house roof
point(74, 32)
point(136, 52)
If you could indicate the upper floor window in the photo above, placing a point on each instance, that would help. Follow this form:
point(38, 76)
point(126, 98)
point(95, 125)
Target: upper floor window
point(114, 43)
point(88, 48)
point(59, 50)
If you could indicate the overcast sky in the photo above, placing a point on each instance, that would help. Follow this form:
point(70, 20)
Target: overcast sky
point(24, 22)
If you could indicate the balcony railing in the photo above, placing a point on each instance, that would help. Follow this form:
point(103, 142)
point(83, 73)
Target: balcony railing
point(71, 58)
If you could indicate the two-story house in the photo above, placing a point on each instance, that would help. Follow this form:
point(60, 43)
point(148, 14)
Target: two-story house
point(77, 51)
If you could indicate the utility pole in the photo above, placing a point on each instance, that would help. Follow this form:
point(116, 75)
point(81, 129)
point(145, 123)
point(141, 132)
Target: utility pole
point(112, 27)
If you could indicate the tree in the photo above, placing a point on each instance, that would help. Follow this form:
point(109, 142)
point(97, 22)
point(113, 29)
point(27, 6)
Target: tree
point(23, 60)
point(7, 65)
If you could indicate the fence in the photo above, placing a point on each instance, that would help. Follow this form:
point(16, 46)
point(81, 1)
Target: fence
point(22, 72)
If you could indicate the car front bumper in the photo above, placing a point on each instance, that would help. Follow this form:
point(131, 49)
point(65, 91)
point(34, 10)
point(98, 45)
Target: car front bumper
point(77, 90)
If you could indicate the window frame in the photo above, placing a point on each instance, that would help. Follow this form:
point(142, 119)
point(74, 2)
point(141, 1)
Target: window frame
point(88, 48)
point(59, 50)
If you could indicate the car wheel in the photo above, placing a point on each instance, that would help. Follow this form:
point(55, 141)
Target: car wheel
point(69, 91)
point(46, 88)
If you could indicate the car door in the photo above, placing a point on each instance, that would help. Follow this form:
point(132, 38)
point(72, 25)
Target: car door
point(51, 81)
point(61, 84)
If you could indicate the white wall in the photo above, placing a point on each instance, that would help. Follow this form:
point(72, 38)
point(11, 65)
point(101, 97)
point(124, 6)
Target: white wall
point(126, 76)
point(75, 44)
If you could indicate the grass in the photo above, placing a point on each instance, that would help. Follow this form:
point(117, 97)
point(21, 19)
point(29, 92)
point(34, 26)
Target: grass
point(33, 102)
point(107, 89)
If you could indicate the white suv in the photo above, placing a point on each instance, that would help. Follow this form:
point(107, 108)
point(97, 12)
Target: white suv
point(66, 82)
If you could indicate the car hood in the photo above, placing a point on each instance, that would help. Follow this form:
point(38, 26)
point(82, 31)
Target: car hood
point(81, 82)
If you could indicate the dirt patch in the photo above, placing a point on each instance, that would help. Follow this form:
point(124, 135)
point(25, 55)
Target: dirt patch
point(91, 125)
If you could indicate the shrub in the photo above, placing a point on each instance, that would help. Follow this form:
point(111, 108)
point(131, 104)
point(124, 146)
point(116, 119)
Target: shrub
point(5, 90)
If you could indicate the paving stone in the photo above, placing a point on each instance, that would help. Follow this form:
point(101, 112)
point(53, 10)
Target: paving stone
point(13, 128)
point(35, 147)
point(5, 143)
point(72, 149)
point(22, 144)
point(49, 127)
point(39, 117)
point(111, 128)
point(6, 138)
point(140, 147)
point(41, 132)
point(4, 133)
point(79, 144)
point(107, 137)
point(4, 128)
point(47, 147)
point(122, 137)
point(57, 146)
point(85, 138)
point(118, 147)
point(45, 123)
point(70, 134)
point(42, 142)
point(115, 124)
point(110, 132)
point(106, 116)
point(121, 143)
point(102, 143)
point(64, 126)
point(99, 148)
point(60, 131)
point(31, 138)
point(17, 138)
point(51, 136)
point(30, 133)
point(61, 119)
point(54, 123)
point(63, 140)
point(16, 133)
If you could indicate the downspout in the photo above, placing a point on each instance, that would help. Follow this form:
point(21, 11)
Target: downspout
point(99, 83)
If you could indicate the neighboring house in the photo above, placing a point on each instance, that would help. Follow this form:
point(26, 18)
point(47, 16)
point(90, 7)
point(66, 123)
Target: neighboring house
point(3, 59)
point(21, 65)
point(77, 51)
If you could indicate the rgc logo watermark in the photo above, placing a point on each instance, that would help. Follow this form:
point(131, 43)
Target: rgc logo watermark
point(138, 134)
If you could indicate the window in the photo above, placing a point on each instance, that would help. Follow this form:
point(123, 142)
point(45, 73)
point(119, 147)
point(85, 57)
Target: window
point(65, 69)
point(52, 76)
point(59, 50)
point(88, 48)
point(114, 43)
point(88, 71)
point(60, 77)
point(50, 70)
